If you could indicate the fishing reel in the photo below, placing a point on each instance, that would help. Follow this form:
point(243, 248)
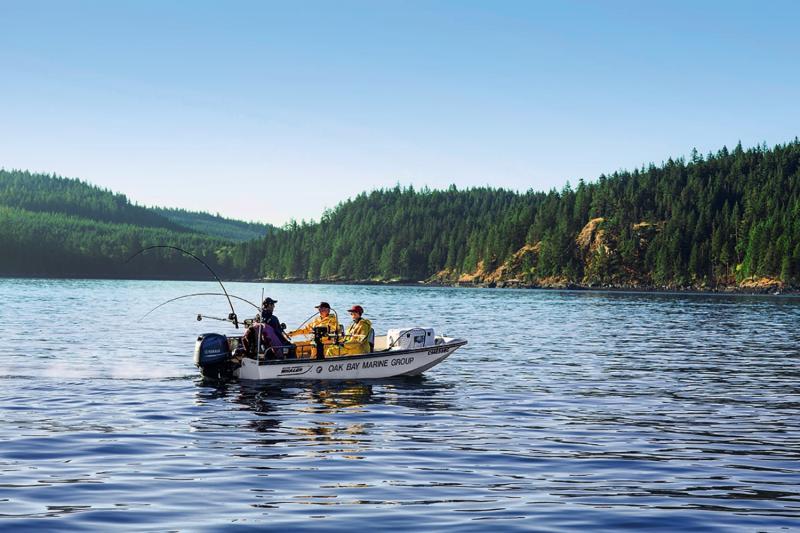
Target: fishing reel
point(232, 318)
point(320, 331)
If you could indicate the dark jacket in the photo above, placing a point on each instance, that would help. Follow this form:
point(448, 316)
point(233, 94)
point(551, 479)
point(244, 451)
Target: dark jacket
point(273, 321)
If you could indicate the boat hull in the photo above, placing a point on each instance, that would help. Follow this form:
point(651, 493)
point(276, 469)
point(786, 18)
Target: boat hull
point(374, 365)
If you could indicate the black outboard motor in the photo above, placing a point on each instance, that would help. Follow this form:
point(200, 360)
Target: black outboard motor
point(213, 355)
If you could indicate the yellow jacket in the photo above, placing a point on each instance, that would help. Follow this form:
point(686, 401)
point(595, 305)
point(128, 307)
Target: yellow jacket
point(356, 340)
point(357, 336)
point(329, 321)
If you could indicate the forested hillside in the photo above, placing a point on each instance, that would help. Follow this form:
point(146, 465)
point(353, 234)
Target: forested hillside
point(54, 194)
point(724, 219)
point(54, 244)
point(390, 234)
point(53, 226)
point(728, 219)
point(215, 225)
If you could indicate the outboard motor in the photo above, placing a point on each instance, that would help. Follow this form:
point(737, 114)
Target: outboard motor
point(213, 355)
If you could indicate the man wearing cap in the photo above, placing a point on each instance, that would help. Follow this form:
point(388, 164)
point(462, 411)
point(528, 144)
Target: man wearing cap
point(358, 335)
point(267, 307)
point(326, 319)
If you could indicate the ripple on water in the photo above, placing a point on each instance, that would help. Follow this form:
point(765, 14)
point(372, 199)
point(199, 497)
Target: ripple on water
point(572, 410)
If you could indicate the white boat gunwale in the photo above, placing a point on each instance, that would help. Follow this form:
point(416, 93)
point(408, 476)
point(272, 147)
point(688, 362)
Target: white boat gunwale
point(454, 343)
point(214, 357)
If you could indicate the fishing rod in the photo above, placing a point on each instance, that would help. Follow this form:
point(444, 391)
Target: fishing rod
point(197, 294)
point(260, 330)
point(335, 315)
point(303, 323)
point(339, 327)
point(201, 317)
point(233, 318)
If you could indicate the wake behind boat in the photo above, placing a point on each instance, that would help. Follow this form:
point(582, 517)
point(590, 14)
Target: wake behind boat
point(402, 352)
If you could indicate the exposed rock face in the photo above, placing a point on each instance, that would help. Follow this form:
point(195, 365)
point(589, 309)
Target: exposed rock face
point(513, 270)
point(597, 252)
point(591, 239)
point(603, 265)
point(474, 277)
point(765, 285)
point(512, 273)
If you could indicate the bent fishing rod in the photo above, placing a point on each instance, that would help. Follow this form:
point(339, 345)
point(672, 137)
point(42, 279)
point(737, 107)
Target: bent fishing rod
point(232, 317)
point(197, 294)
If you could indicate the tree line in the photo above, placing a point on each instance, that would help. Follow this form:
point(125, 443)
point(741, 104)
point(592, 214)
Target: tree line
point(215, 225)
point(54, 194)
point(709, 220)
point(61, 227)
point(706, 221)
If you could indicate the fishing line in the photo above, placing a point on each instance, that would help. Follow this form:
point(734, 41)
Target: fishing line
point(304, 321)
point(233, 316)
point(197, 294)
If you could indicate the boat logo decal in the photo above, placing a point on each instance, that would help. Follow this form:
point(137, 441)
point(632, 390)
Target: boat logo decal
point(440, 349)
point(294, 370)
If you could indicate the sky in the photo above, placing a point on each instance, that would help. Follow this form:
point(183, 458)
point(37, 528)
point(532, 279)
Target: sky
point(272, 111)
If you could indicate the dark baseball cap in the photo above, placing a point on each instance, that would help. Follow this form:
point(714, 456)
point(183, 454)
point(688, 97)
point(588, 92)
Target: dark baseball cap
point(323, 304)
point(269, 300)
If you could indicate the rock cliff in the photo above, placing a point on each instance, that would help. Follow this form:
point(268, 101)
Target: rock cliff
point(602, 263)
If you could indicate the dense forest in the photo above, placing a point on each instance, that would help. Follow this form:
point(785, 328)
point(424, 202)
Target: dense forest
point(730, 218)
point(54, 226)
point(54, 194)
point(723, 219)
point(215, 225)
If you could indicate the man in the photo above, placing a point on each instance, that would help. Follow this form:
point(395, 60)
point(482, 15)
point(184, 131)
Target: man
point(357, 337)
point(325, 318)
point(268, 318)
point(308, 348)
point(260, 335)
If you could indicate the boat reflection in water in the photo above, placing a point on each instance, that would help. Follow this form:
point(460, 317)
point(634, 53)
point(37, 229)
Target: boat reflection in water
point(317, 418)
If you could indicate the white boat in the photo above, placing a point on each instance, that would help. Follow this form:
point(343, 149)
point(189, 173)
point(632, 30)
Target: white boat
point(402, 352)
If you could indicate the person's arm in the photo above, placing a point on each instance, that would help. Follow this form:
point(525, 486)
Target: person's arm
point(302, 331)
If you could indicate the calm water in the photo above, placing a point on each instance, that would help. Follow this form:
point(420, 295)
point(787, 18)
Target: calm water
point(567, 410)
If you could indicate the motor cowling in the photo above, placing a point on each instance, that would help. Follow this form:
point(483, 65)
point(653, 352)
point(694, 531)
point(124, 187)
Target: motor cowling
point(213, 355)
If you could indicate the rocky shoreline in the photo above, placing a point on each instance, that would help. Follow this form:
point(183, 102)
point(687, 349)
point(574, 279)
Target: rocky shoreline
point(773, 287)
point(763, 287)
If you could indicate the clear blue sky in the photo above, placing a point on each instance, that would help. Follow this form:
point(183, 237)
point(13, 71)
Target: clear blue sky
point(269, 111)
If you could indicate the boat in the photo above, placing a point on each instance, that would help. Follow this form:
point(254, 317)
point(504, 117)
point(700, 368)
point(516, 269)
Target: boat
point(401, 352)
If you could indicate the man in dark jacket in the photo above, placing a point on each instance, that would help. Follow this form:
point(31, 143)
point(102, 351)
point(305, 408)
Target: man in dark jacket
point(267, 308)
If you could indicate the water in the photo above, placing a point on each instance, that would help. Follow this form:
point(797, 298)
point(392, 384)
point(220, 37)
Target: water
point(567, 410)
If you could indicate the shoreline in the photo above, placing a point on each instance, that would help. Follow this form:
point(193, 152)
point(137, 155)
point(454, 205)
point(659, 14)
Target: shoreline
point(571, 287)
point(576, 287)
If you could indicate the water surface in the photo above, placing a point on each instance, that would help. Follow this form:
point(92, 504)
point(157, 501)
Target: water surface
point(566, 410)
